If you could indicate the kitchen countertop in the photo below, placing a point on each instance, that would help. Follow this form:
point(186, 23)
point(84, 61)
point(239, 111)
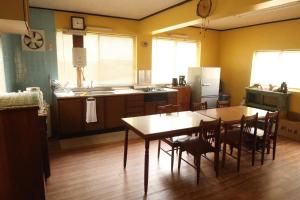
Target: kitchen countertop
point(71, 94)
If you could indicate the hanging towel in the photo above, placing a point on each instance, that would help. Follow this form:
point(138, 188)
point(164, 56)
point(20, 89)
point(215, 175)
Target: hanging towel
point(91, 115)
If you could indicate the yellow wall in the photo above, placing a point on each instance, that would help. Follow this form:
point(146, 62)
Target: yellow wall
point(237, 48)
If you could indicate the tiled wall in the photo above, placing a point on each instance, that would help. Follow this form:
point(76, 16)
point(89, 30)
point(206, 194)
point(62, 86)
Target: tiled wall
point(8, 60)
point(27, 68)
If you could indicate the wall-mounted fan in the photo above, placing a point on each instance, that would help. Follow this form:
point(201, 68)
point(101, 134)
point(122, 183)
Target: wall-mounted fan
point(34, 41)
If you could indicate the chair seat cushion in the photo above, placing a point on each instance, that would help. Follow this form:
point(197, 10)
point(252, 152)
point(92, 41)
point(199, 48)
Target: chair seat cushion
point(196, 146)
point(259, 132)
point(177, 139)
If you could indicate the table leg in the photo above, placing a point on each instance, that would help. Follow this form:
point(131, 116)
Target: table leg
point(125, 148)
point(146, 166)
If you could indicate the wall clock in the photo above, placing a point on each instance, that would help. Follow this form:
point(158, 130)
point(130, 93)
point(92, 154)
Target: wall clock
point(77, 23)
point(204, 8)
point(34, 41)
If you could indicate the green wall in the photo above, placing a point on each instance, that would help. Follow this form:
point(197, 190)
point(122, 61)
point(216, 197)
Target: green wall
point(27, 68)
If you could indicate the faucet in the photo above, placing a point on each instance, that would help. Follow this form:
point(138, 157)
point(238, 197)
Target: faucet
point(91, 83)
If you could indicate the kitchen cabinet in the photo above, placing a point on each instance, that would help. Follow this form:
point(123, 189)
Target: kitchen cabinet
point(172, 98)
point(183, 97)
point(135, 105)
point(71, 112)
point(150, 108)
point(70, 115)
point(93, 126)
point(114, 111)
point(152, 101)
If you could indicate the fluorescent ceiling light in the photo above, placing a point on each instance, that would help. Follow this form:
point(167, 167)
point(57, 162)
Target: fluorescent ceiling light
point(179, 35)
point(275, 3)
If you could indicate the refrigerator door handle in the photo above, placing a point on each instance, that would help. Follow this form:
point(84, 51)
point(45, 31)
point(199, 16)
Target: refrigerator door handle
point(206, 84)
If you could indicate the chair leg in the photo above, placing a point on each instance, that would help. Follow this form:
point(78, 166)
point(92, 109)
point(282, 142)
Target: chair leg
point(268, 147)
point(224, 154)
point(231, 149)
point(239, 159)
point(216, 162)
point(197, 158)
point(263, 153)
point(158, 150)
point(253, 151)
point(179, 159)
point(274, 148)
point(172, 159)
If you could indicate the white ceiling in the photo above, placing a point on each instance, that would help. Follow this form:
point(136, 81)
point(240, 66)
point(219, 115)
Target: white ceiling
point(256, 17)
point(135, 9)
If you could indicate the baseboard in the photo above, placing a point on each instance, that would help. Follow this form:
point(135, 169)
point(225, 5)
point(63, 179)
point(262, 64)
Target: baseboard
point(294, 116)
point(92, 140)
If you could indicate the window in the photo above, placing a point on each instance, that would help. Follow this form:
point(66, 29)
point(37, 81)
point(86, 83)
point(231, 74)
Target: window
point(110, 59)
point(2, 76)
point(275, 67)
point(171, 58)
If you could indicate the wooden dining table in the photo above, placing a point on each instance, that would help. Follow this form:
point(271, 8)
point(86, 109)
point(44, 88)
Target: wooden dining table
point(159, 126)
point(232, 114)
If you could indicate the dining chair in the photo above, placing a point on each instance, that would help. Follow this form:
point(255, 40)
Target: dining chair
point(268, 134)
point(208, 140)
point(235, 136)
point(222, 104)
point(199, 106)
point(173, 142)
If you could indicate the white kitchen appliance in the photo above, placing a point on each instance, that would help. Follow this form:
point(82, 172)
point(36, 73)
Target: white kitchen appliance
point(205, 83)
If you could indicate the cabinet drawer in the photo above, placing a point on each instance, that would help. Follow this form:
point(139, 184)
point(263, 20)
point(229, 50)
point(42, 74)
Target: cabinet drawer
point(135, 109)
point(139, 97)
point(134, 114)
point(130, 104)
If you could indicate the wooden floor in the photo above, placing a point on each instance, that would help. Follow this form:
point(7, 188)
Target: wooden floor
point(97, 173)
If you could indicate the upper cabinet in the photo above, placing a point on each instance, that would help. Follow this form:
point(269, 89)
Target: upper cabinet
point(14, 17)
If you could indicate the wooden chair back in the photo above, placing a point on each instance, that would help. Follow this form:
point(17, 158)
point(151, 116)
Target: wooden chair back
point(167, 109)
point(199, 106)
point(248, 127)
point(222, 104)
point(271, 124)
point(210, 131)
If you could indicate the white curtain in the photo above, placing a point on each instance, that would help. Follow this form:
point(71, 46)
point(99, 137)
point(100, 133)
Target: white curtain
point(171, 58)
point(275, 67)
point(2, 73)
point(110, 59)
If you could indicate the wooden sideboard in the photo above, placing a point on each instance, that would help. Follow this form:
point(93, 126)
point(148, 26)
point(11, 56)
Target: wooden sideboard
point(21, 154)
point(268, 100)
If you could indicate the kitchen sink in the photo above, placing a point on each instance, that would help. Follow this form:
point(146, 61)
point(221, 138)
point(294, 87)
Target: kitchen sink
point(92, 93)
point(100, 92)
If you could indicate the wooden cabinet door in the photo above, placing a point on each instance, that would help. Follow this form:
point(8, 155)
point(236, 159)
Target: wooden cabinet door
point(184, 97)
point(70, 115)
point(114, 111)
point(150, 108)
point(172, 98)
point(100, 115)
point(134, 105)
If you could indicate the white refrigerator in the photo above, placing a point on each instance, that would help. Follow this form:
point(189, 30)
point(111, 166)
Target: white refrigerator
point(205, 83)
